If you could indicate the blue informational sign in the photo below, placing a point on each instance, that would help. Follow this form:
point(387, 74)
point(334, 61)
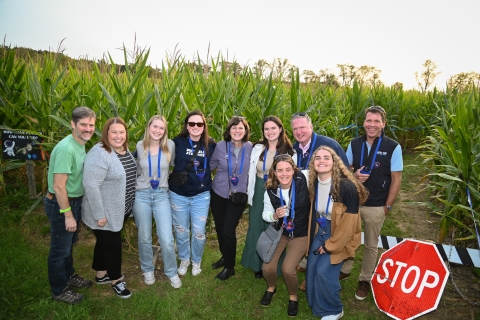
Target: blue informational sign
point(21, 146)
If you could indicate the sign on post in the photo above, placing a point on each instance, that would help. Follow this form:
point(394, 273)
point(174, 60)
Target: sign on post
point(21, 145)
point(409, 279)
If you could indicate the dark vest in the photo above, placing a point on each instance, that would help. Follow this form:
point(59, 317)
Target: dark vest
point(378, 184)
point(302, 206)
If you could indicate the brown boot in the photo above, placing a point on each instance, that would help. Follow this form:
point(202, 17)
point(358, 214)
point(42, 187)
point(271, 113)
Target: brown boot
point(362, 290)
point(303, 286)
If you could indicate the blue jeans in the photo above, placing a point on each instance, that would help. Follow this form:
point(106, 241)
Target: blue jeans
point(186, 210)
point(155, 201)
point(323, 286)
point(60, 259)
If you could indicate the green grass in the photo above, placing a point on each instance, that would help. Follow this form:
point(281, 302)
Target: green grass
point(25, 293)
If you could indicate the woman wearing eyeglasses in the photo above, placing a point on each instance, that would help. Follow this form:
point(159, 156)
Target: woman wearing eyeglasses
point(155, 155)
point(287, 206)
point(336, 197)
point(190, 201)
point(231, 158)
point(274, 142)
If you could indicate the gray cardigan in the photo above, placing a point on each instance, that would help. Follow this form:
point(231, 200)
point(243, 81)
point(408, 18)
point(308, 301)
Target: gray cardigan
point(104, 180)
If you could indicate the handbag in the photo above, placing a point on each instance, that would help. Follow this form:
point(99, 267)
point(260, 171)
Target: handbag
point(238, 198)
point(179, 178)
point(268, 243)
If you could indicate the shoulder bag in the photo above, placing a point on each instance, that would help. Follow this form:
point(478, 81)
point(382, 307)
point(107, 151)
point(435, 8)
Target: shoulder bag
point(268, 242)
point(179, 178)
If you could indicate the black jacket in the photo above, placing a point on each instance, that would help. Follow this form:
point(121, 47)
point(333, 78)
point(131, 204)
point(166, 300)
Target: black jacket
point(302, 206)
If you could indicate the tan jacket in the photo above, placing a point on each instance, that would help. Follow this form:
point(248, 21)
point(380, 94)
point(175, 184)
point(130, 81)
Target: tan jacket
point(345, 236)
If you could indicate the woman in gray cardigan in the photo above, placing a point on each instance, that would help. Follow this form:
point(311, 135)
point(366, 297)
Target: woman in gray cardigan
point(109, 182)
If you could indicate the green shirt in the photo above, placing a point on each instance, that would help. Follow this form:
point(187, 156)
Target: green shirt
point(67, 157)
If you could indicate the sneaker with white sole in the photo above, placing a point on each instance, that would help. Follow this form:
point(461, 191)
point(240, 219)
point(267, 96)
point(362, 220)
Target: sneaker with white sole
point(120, 289)
point(182, 270)
point(196, 270)
point(149, 278)
point(333, 316)
point(69, 296)
point(175, 281)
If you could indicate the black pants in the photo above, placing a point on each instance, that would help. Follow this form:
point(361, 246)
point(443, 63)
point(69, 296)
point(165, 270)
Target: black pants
point(226, 216)
point(107, 254)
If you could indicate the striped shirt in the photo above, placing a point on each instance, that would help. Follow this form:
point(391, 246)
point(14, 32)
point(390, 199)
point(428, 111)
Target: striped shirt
point(131, 172)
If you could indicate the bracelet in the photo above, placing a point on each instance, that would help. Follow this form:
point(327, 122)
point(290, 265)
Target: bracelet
point(65, 210)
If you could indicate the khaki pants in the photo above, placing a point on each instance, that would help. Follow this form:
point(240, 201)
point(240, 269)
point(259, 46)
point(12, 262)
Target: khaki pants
point(373, 218)
point(296, 250)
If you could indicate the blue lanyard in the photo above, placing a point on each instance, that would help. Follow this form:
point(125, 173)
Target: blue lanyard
point(374, 155)
point(230, 164)
point(328, 201)
point(158, 164)
point(204, 157)
point(265, 175)
point(310, 151)
point(292, 202)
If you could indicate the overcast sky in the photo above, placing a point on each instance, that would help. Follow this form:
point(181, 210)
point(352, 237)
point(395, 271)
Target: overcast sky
point(394, 36)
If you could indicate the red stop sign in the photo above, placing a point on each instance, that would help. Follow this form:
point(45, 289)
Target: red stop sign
point(409, 279)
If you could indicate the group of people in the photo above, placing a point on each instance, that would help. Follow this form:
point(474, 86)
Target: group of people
point(311, 191)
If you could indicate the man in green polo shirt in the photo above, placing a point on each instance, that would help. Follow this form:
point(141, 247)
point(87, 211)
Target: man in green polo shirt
point(63, 203)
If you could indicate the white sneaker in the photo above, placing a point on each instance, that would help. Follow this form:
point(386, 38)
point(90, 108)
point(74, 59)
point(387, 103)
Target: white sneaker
point(333, 317)
point(149, 278)
point(196, 269)
point(175, 281)
point(182, 270)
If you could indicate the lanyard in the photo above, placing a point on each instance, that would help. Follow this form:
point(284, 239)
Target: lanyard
point(292, 202)
point(310, 151)
point(328, 201)
point(230, 164)
point(158, 164)
point(374, 155)
point(196, 163)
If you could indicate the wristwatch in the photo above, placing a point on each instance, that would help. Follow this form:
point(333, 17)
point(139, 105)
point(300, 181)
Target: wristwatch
point(388, 207)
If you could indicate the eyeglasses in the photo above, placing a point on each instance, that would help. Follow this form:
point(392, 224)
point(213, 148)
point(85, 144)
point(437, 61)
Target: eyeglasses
point(306, 154)
point(238, 117)
point(198, 124)
point(299, 115)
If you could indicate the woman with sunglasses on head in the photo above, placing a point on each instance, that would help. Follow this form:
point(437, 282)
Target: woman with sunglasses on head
point(274, 142)
point(287, 206)
point(336, 198)
point(109, 180)
point(231, 158)
point(190, 201)
point(155, 155)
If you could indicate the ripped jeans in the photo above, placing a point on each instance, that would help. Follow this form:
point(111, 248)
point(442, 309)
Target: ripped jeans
point(186, 210)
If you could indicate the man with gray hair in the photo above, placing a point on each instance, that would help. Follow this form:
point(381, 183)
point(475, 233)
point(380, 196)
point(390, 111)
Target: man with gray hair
point(62, 204)
point(307, 141)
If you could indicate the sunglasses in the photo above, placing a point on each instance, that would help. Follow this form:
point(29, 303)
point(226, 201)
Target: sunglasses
point(198, 124)
point(299, 115)
point(281, 157)
point(377, 108)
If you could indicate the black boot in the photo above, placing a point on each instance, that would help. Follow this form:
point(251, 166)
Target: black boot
point(292, 308)
point(218, 264)
point(225, 274)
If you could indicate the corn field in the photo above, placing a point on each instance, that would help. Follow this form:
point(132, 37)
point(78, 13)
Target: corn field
point(38, 93)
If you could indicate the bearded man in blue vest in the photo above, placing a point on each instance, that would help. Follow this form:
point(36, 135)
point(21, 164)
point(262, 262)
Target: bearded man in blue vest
point(376, 161)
